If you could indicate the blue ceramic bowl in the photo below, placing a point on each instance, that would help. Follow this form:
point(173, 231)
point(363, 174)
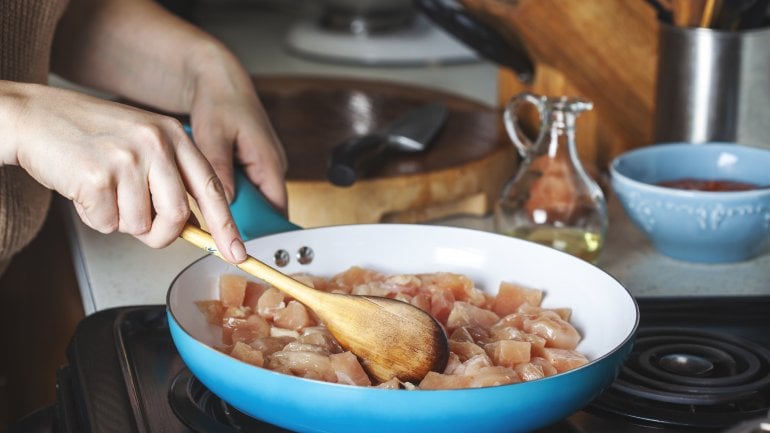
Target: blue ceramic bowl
point(694, 225)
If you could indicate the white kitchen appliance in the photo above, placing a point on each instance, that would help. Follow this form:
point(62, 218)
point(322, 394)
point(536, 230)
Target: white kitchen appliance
point(374, 32)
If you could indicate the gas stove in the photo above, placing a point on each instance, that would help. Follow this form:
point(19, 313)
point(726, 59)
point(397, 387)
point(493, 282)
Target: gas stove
point(698, 364)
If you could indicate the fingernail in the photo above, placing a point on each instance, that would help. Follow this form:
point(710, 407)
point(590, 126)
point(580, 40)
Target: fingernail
point(238, 250)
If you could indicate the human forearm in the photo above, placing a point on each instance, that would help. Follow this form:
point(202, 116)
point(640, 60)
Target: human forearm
point(135, 49)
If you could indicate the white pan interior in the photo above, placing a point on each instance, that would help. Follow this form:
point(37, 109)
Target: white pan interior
point(603, 311)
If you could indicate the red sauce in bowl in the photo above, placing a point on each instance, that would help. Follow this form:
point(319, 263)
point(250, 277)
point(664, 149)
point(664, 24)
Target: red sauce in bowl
point(708, 185)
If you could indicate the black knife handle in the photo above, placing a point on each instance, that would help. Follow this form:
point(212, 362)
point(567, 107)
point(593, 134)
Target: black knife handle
point(353, 158)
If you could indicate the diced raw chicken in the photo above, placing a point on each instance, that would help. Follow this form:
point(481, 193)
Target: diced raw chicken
point(293, 316)
point(245, 330)
point(271, 301)
point(297, 346)
point(232, 289)
point(390, 384)
point(493, 376)
point(348, 370)
point(406, 284)
point(270, 345)
point(529, 371)
point(441, 304)
point(253, 291)
point(371, 289)
point(465, 349)
point(212, 310)
point(304, 364)
point(421, 301)
point(497, 333)
point(515, 320)
point(248, 354)
point(458, 285)
point(523, 342)
point(320, 336)
point(548, 368)
point(510, 296)
point(276, 331)
point(465, 314)
point(453, 363)
point(557, 332)
point(434, 380)
point(508, 353)
point(355, 276)
point(235, 312)
point(475, 364)
point(563, 359)
point(461, 335)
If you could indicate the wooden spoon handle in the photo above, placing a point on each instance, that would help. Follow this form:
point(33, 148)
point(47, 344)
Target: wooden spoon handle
point(290, 286)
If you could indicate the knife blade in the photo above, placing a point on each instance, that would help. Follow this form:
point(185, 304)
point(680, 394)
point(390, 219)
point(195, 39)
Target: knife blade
point(410, 132)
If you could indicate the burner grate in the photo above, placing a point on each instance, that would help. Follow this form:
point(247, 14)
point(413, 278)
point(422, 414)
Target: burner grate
point(203, 412)
point(690, 378)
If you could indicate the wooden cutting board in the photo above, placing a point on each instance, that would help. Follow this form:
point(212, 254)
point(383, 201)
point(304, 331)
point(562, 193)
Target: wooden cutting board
point(462, 171)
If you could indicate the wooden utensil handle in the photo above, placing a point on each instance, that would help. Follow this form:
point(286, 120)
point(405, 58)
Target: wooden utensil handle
point(254, 267)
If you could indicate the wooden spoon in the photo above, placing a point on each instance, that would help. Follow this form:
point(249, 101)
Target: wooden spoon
point(393, 338)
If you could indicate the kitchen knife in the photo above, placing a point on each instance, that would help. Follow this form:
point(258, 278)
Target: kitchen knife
point(410, 132)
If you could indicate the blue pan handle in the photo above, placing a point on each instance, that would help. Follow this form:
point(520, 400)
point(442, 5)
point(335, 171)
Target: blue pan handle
point(253, 215)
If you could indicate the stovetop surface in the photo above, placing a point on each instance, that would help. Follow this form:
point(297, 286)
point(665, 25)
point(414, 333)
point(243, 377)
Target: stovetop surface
point(124, 374)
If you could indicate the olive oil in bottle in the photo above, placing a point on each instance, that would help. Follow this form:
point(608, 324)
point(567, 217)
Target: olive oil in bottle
point(551, 200)
point(578, 242)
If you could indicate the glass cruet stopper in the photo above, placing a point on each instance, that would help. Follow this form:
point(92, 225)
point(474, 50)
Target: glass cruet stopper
point(551, 200)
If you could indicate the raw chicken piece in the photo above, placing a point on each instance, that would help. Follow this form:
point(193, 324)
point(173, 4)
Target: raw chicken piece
point(355, 276)
point(557, 332)
point(253, 291)
point(248, 354)
point(270, 345)
point(563, 359)
point(508, 353)
point(348, 370)
point(232, 289)
point(271, 301)
point(294, 316)
point(212, 310)
point(464, 349)
point(434, 380)
point(245, 330)
point(510, 296)
point(310, 365)
point(465, 314)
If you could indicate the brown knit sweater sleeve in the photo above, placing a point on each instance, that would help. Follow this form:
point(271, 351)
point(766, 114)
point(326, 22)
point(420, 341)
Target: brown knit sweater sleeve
point(26, 34)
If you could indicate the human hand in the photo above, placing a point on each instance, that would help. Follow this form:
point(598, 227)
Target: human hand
point(124, 169)
point(229, 122)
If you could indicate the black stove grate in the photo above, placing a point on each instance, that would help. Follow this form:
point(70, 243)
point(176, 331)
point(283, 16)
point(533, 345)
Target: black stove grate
point(690, 378)
point(695, 368)
point(203, 412)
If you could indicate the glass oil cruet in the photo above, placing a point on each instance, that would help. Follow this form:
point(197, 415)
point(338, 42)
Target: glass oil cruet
point(551, 200)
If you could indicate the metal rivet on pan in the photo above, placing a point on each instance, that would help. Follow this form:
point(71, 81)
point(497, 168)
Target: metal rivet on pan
point(305, 255)
point(282, 258)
